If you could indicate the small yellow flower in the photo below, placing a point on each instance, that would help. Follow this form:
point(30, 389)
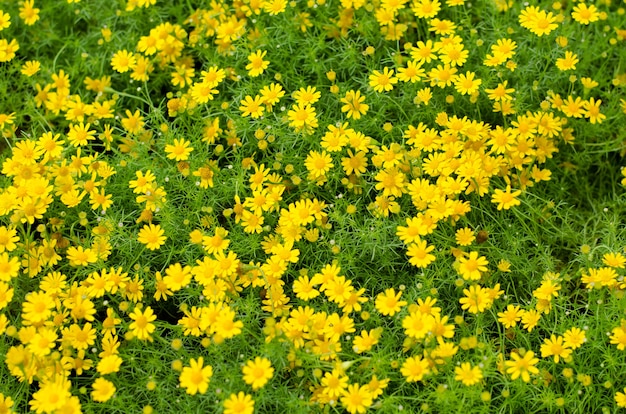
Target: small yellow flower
point(620, 398)
point(252, 107)
point(415, 368)
point(152, 236)
point(382, 81)
point(123, 61)
point(5, 20)
point(257, 65)
point(30, 68)
point(180, 150)
point(505, 199)
point(29, 13)
point(388, 303)
point(522, 366)
point(142, 326)
point(467, 374)
point(353, 104)
point(195, 378)
point(258, 372)
point(240, 403)
point(103, 390)
point(568, 62)
point(472, 266)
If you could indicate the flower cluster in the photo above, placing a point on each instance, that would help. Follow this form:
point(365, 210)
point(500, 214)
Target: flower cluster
point(315, 205)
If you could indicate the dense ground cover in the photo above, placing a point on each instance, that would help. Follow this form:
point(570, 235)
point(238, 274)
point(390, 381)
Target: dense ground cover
point(312, 206)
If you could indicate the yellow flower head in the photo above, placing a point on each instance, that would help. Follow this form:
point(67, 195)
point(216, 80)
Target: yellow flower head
point(257, 372)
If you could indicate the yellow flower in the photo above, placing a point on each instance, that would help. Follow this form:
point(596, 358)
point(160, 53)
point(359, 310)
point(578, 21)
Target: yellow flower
point(202, 92)
point(5, 20)
point(356, 399)
point(353, 104)
point(588, 83)
point(382, 82)
point(29, 13)
point(195, 378)
point(9, 267)
point(424, 96)
point(304, 288)
point(99, 200)
point(467, 374)
point(618, 336)
point(555, 347)
point(505, 199)
point(31, 67)
point(366, 340)
point(180, 150)
point(391, 181)
point(426, 9)
point(568, 62)
point(177, 276)
point(464, 236)
point(334, 383)
point(80, 134)
point(240, 403)
point(133, 123)
point(318, 163)
point(425, 52)
point(530, 319)
point(252, 222)
point(152, 236)
point(414, 368)
point(388, 303)
point(258, 372)
point(620, 398)
point(142, 183)
point(442, 26)
point(584, 14)
point(141, 69)
point(257, 65)
point(465, 84)
point(302, 116)
point(252, 107)
point(442, 75)
point(225, 324)
point(142, 326)
point(520, 366)
point(537, 21)
point(43, 342)
point(417, 324)
point(472, 266)
point(307, 96)
point(500, 93)
point(454, 54)
point(547, 290)
point(6, 119)
point(510, 316)
point(419, 254)
point(79, 256)
point(103, 390)
point(592, 111)
point(476, 299)
point(610, 259)
point(51, 396)
point(8, 49)
point(274, 7)
point(123, 61)
point(109, 364)
point(413, 72)
point(6, 403)
point(6, 295)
